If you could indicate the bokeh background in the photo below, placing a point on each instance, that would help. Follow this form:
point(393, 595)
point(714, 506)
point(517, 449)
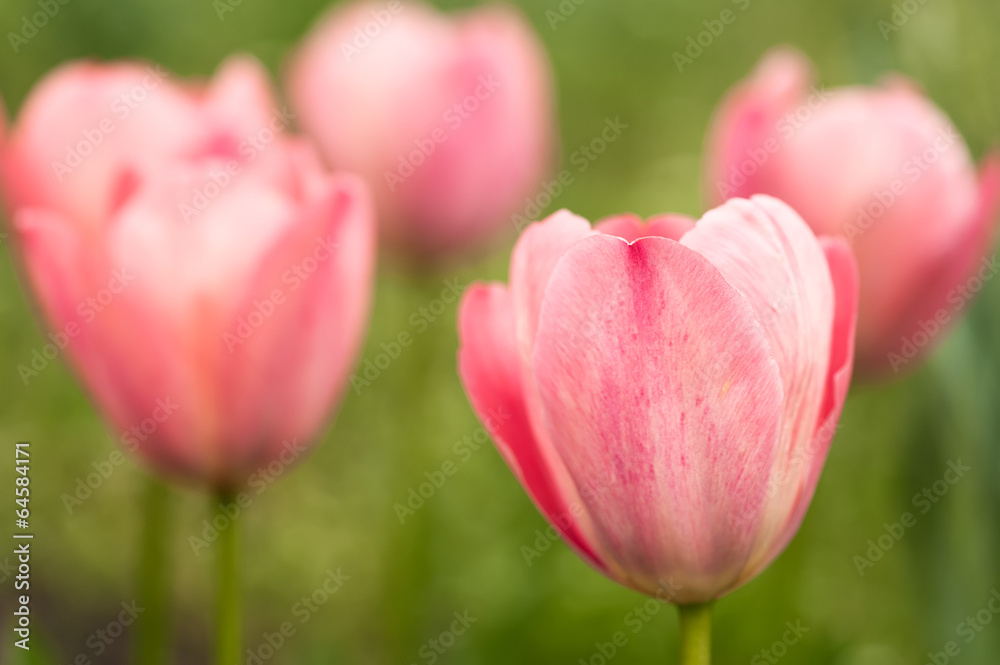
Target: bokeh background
point(463, 550)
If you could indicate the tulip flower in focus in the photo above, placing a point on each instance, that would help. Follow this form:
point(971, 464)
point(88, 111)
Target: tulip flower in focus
point(209, 282)
point(885, 169)
point(449, 118)
point(671, 388)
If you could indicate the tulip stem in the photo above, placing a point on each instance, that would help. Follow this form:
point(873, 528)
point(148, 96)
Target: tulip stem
point(696, 634)
point(153, 593)
point(228, 629)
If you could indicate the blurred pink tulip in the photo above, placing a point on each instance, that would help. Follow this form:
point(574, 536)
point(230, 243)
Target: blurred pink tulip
point(208, 280)
point(668, 391)
point(449, 119)
point(879, 166)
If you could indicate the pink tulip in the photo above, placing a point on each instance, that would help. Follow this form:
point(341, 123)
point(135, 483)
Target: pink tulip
point(448, 118)
point(209, 282)
point(879, 166)
point(667, 393)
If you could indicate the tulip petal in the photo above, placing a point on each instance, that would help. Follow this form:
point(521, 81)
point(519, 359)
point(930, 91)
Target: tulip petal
point(488, 364)
point(315, 286)
point(531, 264)
point(183, 252)
point(844, 276)
point(118, 346)
point(7, 167)
point(800, 479)
point(767, 252)
point(241, 100)
point(498, 154)
point(631, 227)
point(149, 233)
point(449, 120)
point(661, 396)
point(55, 261)
point(747, 118)
point(947, 274)
point(82, 125)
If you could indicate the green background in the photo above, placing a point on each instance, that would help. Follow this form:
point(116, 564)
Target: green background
point(463, 549)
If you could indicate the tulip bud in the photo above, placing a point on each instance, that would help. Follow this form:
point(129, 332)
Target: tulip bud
point(672, 388)
point(208, 281)
point(449, 118)
point(881, 167)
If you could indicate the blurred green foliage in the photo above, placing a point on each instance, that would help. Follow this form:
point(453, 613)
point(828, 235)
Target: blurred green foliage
point(463, 549)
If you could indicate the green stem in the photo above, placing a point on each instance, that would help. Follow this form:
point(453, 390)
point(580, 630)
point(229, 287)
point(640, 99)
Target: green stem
point(228, 630)
point(151, 626)
point(696, 634)
point(409, 569)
